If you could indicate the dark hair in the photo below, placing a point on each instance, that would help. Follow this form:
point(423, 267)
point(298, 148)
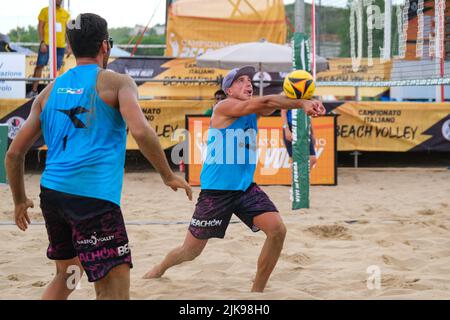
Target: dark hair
point(220, 91)
point(86, 34)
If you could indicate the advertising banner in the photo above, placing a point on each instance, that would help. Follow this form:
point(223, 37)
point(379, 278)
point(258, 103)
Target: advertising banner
point(195, 27)
point(274, 164)
point(393, 126)
point(12, 65)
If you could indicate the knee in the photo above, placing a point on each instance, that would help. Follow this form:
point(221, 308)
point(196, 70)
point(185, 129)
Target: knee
point(278, 233)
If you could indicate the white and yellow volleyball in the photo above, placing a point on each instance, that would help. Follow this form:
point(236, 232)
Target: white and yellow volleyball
point(299, 84)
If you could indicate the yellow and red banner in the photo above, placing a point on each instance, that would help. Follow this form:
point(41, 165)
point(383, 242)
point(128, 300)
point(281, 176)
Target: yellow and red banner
point(196, 26)
point(274, 164)
point(393, 126)
point(164, 116)
point(363, 126)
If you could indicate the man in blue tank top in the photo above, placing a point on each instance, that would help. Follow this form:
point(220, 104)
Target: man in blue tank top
point(83, 117)
point(227, 176)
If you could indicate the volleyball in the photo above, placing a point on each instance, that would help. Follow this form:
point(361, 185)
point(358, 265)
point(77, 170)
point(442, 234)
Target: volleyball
point(299, 84)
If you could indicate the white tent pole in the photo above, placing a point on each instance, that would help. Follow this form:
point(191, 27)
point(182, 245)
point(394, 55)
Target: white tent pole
point(260, 80)
point(52, 37)
point(313, 38)
point(387, 29)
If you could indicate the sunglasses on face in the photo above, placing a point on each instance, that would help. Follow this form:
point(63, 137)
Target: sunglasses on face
point(110, 41)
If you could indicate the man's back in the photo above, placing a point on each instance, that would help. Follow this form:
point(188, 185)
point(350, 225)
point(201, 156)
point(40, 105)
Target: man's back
point(86, 137)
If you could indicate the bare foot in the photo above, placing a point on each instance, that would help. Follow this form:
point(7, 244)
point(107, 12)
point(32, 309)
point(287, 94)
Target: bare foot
point(155, 272)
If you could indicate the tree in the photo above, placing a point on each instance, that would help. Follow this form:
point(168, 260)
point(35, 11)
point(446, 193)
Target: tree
point(27, 34)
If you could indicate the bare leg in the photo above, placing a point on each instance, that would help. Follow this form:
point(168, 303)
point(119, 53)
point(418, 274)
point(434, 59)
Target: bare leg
point(312, 161)
point(191, 248)
point(37, 74)
point(273, 226)
point(62, 286)
point(116, 284)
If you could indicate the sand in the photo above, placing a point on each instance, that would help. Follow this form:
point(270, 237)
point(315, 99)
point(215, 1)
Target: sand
point(395, 220)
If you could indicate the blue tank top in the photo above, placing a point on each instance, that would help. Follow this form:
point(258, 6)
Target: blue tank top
point(231, 156)
point(289, 116)
point(86, 138)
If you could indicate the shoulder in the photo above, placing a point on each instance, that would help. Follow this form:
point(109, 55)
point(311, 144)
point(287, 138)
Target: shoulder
point(42, 98)
point(226, 103)
point(66, 14)
point(108, 79)
point(113, 77)
point(43, 14)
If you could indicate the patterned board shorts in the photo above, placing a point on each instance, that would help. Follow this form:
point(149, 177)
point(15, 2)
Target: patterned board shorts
point(92, 229)
point(214, 209)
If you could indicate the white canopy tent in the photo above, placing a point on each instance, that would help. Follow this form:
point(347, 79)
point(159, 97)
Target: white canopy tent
point(263, 56)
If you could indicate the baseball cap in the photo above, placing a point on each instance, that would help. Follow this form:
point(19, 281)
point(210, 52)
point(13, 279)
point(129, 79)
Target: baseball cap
point(236, 73)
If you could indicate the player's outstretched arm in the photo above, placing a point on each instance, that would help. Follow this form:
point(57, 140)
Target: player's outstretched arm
point(262, 105)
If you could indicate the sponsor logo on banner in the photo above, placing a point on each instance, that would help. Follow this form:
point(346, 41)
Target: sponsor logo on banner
point(446, 130)
point(12, 65)
point(14, 126)
point(273, 165)
point(393, 126)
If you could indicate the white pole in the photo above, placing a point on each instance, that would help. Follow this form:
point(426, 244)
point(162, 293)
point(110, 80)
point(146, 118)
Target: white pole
point(438, 42)
point(52, 37)
point(387, 29)
point(261, 75)
point(313, 38)
point(299, 16)
point(442, 18)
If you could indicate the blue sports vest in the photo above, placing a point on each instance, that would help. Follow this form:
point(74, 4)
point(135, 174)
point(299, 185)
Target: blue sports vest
point(289, 116)
point(86, 138)
point(231, 156)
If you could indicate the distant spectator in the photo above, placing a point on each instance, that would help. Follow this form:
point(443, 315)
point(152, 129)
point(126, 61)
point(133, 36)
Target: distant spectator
point(62, 16)
point(219, 95)
point(286, 116)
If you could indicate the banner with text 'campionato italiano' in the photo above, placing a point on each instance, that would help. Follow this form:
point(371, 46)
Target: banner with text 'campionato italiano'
point(364, 126)
point(392, 126)
point(195, 27)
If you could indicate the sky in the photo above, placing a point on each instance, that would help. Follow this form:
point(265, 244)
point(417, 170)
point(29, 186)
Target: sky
point(113, 11)
point(116, 12)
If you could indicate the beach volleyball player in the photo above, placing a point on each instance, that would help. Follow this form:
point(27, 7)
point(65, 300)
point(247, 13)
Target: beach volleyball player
point(227, 187)
point(83, 116)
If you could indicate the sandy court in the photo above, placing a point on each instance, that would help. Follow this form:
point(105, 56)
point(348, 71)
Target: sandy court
point(395, 219)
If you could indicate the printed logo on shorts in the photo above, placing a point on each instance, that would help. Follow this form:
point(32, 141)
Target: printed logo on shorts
point(94, 240)
point(205, 223)
point(104, 253)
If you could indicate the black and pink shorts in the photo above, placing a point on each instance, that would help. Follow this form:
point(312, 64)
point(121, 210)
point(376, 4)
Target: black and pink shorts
point(214, 209)
point(92, 229)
